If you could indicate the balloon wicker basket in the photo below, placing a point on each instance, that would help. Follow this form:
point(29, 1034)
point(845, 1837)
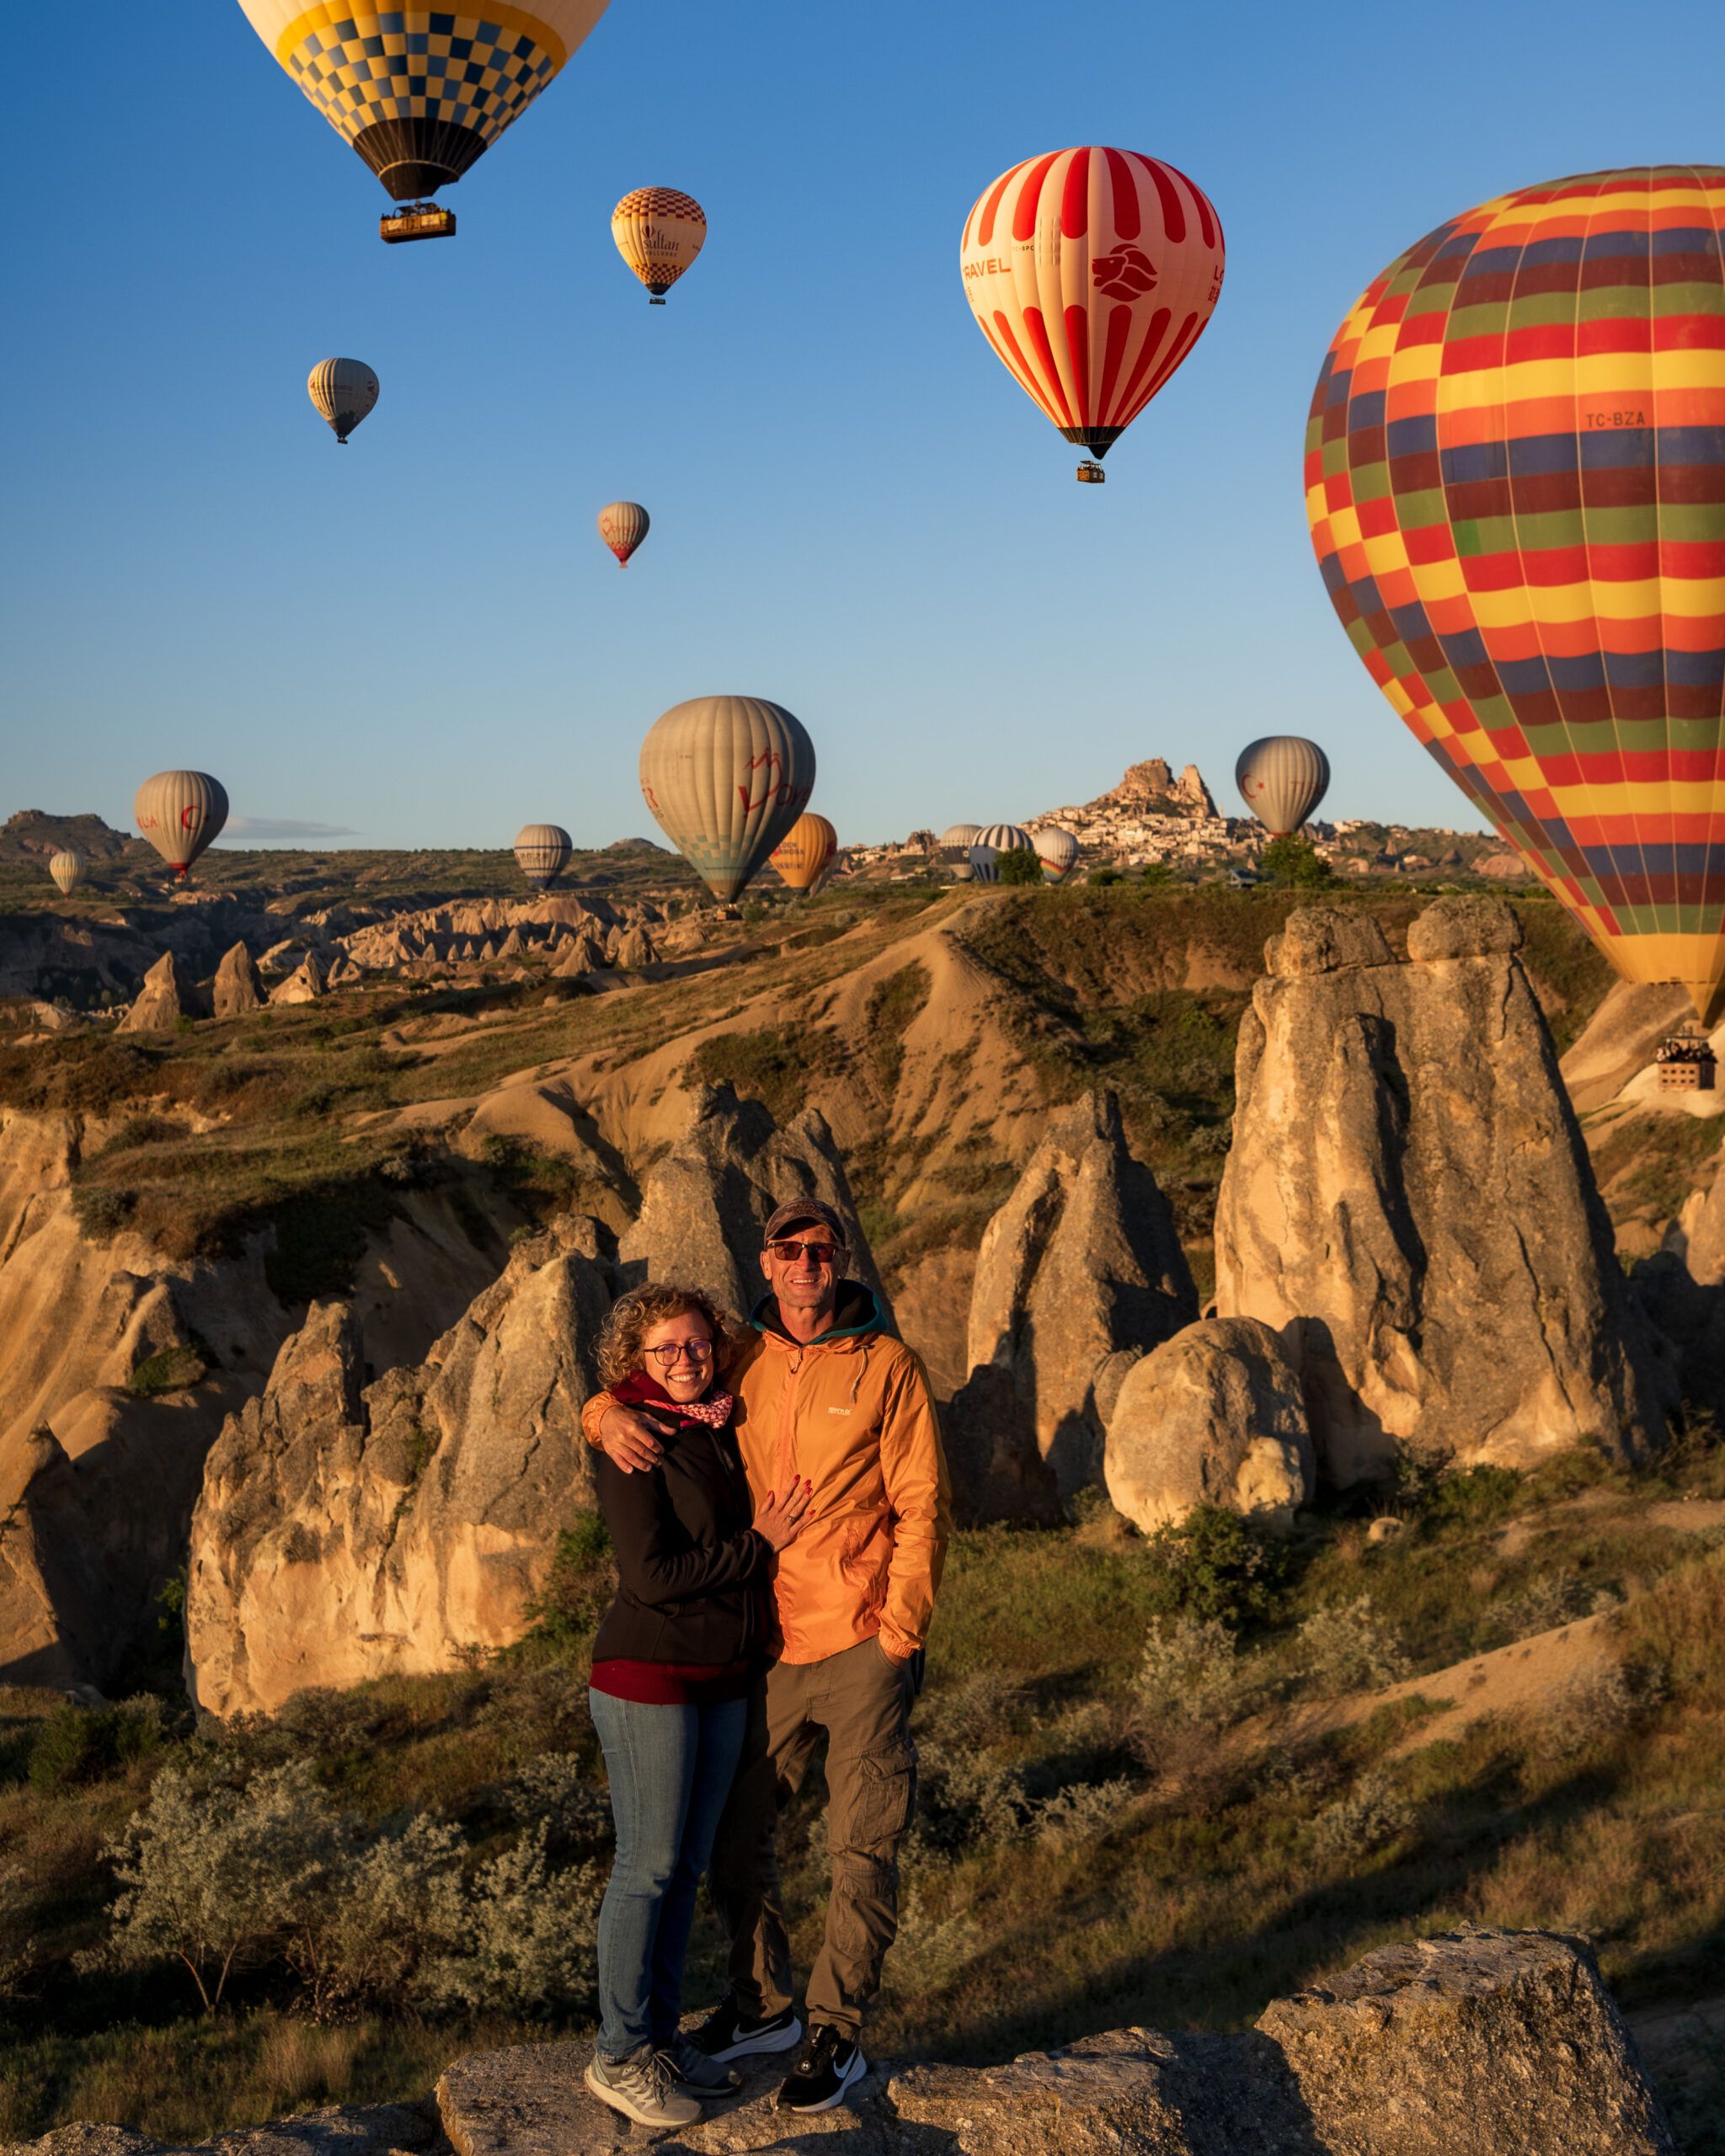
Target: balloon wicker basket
point(416, 220)
point(1091, 473)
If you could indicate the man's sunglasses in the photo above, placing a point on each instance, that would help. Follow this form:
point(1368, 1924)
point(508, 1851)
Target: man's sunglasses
point(697, 1350)
point(791, 1252)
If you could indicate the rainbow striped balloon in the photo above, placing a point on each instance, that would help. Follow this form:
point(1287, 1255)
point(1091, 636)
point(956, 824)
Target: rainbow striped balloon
point(1515, 478)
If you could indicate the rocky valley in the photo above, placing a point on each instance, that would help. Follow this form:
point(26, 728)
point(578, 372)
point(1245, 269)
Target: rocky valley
point(1327, 1306)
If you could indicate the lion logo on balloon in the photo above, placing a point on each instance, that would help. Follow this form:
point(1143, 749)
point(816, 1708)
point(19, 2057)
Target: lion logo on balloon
point(1127, 274)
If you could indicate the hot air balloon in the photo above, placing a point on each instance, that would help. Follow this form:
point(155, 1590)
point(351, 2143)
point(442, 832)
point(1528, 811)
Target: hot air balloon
point(179, 812)
point(343, 391)
point(623, 525)
point(542, 853)
point(1515, 477)
point(658, 232)
point(1058, 853)
point(726, 777)
point(421, 94)
point(984, 864)
point(1281, 780)
point(67, 869)
point(805, 853)
point(1092, 272)
point(1006, 837)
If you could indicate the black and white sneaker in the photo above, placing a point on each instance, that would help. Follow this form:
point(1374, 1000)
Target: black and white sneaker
point(831, 2062)
point(728, 2033)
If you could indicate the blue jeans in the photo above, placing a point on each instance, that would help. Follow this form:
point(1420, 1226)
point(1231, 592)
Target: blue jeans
point(670, 1769)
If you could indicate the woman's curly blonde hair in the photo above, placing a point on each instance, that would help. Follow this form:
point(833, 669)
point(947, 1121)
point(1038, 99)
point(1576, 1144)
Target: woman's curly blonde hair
point(633, 1317)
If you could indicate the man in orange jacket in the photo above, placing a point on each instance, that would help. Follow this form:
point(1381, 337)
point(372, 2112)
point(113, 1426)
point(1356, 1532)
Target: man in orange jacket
point(823, 1392)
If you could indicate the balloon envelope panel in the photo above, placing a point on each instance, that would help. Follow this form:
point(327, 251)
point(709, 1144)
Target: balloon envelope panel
point(420, 93)
point(726, 777)
point(1515, 479)
point(1282, 779)
point(1092, 272)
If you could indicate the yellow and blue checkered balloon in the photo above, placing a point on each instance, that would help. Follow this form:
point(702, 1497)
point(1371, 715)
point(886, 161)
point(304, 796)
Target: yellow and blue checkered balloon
point(421, 93)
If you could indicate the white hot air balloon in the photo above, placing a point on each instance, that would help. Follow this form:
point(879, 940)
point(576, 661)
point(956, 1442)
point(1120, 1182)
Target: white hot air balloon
point(542, 853)
point(344, 392)
point(623, 525)
point(179, 812)
point(1006, 837)
point(67, 869)
point(955, 842)
point(1282, 779)
point(984, 863)
point(1058, 853)
point(726, 777)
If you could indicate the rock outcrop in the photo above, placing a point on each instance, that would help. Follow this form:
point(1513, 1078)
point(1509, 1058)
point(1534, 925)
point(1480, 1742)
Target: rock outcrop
point(1079, 1273)
point(1409, 1204)
point(1488, 2044)
point(167, 996)
point(635, 949)
point(1212, 1417)
point(307, 984)
point(705, 1202)
point(346, 1531)
point(239, 986)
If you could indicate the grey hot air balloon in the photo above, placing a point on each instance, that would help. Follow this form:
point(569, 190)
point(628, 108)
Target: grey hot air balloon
point(1058, 853)
point(343, 391)
point(67, 869)
point(985, 863)
point(726, 777)
point(1281, 780)
point(1006, 837)
point(179, 812)
point(542, 853)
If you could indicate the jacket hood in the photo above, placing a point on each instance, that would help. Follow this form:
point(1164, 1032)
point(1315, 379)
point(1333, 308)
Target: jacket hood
point(857, 1314)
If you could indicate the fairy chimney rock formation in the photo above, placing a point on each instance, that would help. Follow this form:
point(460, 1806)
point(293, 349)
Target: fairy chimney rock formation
point(1079, 1273)
point(166, 997)
point(347, 1530)
point(1212, 1417)
point(1408, 1202)
point(239, 986)
point(309, 982)
point(705, 1202)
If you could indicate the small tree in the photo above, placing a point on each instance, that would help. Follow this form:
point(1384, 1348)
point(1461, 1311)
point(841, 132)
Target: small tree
point(213, 1877)
point(1018, 864)
point(1296, 862)
point(1157, 875)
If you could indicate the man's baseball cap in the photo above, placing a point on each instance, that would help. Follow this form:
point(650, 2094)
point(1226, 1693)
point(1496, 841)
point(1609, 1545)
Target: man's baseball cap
point(804, 1213)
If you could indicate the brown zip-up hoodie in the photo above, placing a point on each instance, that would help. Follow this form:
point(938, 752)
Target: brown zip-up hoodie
point(851, 1412)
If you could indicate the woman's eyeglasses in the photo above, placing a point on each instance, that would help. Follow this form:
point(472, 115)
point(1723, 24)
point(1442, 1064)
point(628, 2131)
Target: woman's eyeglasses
point(697, 1350)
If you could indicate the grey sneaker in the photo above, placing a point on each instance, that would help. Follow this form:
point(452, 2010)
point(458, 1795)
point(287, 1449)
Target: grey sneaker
point(693, 2073)
point(640, 2087)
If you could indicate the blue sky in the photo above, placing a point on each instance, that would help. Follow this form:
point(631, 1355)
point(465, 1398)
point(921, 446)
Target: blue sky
point(856, 511)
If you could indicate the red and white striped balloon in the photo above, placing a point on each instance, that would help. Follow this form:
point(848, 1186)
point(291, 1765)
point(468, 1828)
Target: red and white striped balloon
point(1092, 272)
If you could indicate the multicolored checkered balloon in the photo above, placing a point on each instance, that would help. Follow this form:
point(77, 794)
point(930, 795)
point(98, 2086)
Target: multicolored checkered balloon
point(1515, 478)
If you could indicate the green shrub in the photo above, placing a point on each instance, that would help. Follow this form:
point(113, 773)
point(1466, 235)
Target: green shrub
point(1193, 1676)
point(1296, 863)
point(170, 1370)
point(101, 1210)
point(320, 1238)
point(1347, 1647)
point(1213, 1564)
point(76, 1745)
point(1018, 864)
point(1104, 877)
point(577, 1588)
point(892, 1006)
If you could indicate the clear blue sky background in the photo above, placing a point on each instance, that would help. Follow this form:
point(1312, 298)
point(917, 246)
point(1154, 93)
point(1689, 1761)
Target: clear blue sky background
point(856, 511)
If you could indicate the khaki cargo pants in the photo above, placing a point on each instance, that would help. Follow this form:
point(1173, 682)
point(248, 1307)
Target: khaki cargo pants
point(862, 1700)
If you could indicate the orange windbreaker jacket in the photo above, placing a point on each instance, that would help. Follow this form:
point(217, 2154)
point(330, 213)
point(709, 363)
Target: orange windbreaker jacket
point(851, 1412)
